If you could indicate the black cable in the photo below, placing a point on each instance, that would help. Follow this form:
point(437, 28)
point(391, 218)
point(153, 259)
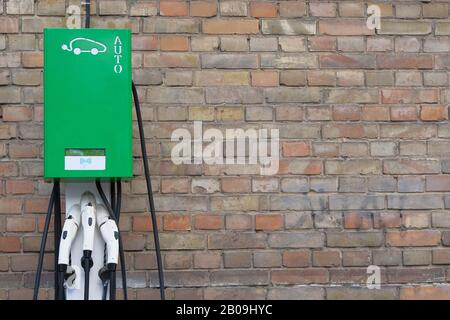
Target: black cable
point(112, 285)
point(48, 217)
point(149, 192)
point(59, 282)
point(86, 264)
point(121, 254)
point(118, 205)
point(113, 195)
point(88, 14)
point(118, 200)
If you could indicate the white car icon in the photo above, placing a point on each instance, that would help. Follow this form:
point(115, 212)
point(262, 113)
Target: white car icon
point(88, 45)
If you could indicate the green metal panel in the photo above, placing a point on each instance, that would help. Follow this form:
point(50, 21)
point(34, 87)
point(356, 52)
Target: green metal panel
point(87, 103)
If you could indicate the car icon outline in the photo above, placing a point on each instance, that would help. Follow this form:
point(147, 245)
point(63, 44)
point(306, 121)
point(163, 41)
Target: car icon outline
point(73, 47)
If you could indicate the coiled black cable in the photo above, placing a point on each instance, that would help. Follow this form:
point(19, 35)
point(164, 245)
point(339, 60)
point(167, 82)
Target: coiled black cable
point(59, 281)
point(88, 13)
point(48, 217)
point(149, 192)
point(121, 254)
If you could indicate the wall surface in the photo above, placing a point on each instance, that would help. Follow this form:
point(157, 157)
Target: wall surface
point(364, 147)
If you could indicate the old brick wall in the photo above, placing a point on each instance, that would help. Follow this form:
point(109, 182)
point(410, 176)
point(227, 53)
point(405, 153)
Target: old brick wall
point(364, 147)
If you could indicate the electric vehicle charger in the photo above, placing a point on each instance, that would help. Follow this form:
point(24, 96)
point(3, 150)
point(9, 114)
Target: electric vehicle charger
point(113, 209)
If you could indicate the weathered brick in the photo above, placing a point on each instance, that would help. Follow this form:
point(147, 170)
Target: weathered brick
point(203, 8)
point(171, 60)
point(280, 95)
point(300, 276)
point(291, 293)
point(263, 9)
point(398, 27)
point(208, 43)
point(175, 95)
point(288, 27)
point(354, 239)
point(230, 61)
point(236, 241)
point(353, 167)
point(326, 258)
point(413, 238)
point(233, 95)
point(404, 62)
point(20, 7)
point(173, 8)
point(143, 9)
point(347, 61)
point(160, 25)
point(302, 239)
point(411, 184)
point(435, 292)
point(344, 27)
point(288, 61)
point(296, 259)
point(230, 26)
point(345, 293)
point(233, 8)
point(293, 9)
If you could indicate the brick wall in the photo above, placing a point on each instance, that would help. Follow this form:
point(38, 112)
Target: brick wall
point(364, 147)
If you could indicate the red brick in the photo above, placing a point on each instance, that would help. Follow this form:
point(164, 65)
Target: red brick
point(231, 26)
point(14, 224)
point(357, 220)
point(326, 258)
point(263, 9)
point(386, 220)
point(439, 292)
point(8, 169)
point(438, 183)
point(177, 222)
point(33, 59)
point(176, 185)
point(36, 205)
point(375, 113)
point(321, 78)
point(346, 113)
point(173, 8)
point(401, 96)
point(322, 43)
point(208, 222)
point(265, 78)
point(144, 223)
point(174, 43)
point(300, 276)
point(9, 25)
point(344, 27)
point(269, 222)
point(9, 244)
point(145, 43)
point(318, 9)
point(10, 206)
point(413, 238)
point(17, 114)
point(203, 9)
point(23, 150)
point(433, 113)
point(296, 149)
point(19, 186)
point(404, 113)
point(296, 259)
point(405, 62)
point(236, 185)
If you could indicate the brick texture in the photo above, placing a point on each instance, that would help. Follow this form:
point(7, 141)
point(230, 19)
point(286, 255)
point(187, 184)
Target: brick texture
point(364, 153)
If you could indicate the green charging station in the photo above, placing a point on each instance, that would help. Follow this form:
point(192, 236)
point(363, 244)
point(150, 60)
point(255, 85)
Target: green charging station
point(87, 104)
